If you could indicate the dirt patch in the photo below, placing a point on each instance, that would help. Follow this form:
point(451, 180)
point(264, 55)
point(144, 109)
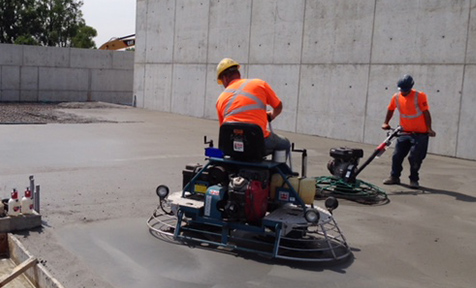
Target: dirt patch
point(44, 113)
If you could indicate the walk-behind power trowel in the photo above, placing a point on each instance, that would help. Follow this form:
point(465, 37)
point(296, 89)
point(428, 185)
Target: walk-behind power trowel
point(344, 168)
point(241, 200)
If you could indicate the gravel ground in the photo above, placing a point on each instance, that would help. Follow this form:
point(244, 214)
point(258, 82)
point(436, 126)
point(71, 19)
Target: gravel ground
point(43, 113)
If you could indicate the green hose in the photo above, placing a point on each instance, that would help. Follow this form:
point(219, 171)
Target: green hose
point(359, 191)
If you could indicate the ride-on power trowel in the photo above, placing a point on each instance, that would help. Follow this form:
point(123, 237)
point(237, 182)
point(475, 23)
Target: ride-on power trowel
point(241, 200)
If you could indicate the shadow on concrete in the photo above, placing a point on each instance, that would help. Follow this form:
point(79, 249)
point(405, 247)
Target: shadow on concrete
point(26, 233)
point(426, 190)
point(337, 266)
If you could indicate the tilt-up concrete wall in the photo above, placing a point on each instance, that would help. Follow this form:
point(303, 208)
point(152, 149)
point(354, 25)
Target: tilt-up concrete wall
point(334, 64)
point(51, 74)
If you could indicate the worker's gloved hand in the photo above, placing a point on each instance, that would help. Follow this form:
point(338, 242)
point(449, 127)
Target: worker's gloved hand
point(385, 126)
point(270, 115)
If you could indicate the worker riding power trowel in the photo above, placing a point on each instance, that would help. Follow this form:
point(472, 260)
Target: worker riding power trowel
point(240, 200)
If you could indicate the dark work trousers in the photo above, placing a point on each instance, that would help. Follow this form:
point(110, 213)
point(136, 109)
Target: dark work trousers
point(276, 142)
point(417, 145)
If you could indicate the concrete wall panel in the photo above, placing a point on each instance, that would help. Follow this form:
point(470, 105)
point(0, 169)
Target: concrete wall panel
point(471, 49)
point(158, 84)
point(118, 97)
point(213, 90)
point(142, 20)
point(188, 90)
point(420, 31)
point(332, 101)
point(62, 96)
point(229, 32)
point(29, 78)
point(43, 73)
point(10, 95)
point(160, 27)
point(122, 60)
point(139, 85)
point(276, 32)
point(337, 31)
point(63, 79)
point(10, 77)
point(111, 80)
point(191, 31)
point(10, 54)
point(29, 95)
point(466, 133)
point(46, 56)
point(84, 58)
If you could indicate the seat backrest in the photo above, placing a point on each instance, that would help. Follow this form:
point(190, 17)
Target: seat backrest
point(242, 141)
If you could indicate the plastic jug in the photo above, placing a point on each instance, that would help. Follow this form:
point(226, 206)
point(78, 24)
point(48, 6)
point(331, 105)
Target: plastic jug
point(27, 202)
point(14, 205)
point(307, 190)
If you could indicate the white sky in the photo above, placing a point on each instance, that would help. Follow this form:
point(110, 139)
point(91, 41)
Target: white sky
point(110, 18)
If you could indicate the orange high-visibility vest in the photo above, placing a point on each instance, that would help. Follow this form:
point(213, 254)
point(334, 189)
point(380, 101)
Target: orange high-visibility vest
point(411, 108)
point(245, 100)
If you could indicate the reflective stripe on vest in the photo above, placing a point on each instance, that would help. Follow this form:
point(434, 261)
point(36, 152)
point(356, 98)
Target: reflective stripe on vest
point(418, 114)
point(239, 92)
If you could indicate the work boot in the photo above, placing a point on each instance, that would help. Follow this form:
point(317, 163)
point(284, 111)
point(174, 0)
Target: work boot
point(391, 180)
point(414, 184)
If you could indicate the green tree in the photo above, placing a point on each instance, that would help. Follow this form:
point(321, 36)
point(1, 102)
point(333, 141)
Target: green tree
point(57, 23)
point(84, 37)
point(18, 18)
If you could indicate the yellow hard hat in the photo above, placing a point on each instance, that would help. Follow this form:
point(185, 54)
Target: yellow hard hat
point(224, 64)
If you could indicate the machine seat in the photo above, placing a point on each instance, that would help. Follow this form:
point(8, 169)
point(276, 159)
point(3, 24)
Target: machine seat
point(242, 141)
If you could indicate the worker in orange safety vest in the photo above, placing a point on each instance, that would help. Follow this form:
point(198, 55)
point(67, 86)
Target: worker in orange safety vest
point(246, 100)
point(415, 119)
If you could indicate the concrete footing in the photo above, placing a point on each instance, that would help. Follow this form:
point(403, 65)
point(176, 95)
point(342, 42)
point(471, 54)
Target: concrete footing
point(12, 249)
point(20, 222)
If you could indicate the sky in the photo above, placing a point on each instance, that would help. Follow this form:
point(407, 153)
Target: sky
point(110, 18)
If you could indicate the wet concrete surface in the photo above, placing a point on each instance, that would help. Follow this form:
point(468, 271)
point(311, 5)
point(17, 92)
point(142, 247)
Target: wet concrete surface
point(98, 189)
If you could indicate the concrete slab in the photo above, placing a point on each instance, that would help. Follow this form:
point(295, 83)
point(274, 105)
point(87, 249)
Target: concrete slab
point(98, 189)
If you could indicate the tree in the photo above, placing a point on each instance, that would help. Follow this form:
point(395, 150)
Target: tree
point(18, 18)
point(57, 23)
point(83, 39)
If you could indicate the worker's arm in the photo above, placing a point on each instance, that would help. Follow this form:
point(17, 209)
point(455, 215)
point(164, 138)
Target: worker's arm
point(385, 125)
point(275, 112)
point(427, 116)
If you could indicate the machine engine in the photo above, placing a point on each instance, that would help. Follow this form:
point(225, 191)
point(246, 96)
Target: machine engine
point(344, 163)
point(247, 196)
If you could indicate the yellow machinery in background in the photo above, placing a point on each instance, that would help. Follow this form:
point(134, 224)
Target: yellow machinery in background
point(119, 43)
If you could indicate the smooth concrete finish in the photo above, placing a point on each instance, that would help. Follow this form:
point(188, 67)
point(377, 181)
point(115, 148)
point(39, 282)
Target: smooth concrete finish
point(335, 64)
point(98, 190)
point(37, 74)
